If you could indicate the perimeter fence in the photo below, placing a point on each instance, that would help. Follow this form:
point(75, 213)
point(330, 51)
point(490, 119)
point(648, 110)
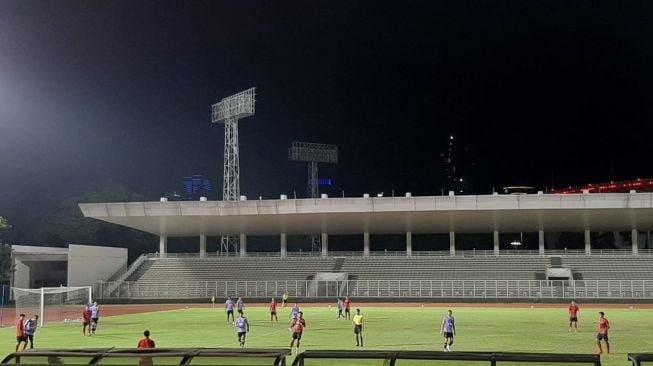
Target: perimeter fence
point(417, 289)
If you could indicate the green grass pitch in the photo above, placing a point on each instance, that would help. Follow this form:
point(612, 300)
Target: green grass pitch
point(404, 328)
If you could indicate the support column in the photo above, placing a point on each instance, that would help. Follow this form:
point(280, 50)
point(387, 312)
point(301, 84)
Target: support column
point(540, 241)
point(634, 239)
point(284, 244)
point(163, 246)
point(496, 242)
point(202, 246)
point(588, 242)
point(243, 245)
point(366, 244)
point(452, 243)
point(409, 243)
point(325, 244)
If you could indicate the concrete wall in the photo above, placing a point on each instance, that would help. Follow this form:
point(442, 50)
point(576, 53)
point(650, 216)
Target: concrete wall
point(21, 275)
point(89, 264)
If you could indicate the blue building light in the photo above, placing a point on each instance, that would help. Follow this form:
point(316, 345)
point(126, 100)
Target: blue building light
point(322, 181)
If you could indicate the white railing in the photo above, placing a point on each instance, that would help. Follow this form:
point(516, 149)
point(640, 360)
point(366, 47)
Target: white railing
point(123, 273)
point(427, 289)
point(434, 253)
point(120, 276)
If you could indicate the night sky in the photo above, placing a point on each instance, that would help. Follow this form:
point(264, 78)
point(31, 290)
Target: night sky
point(535, 93)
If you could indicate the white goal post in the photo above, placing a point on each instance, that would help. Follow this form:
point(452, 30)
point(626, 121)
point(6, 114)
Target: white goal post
point(52, 304)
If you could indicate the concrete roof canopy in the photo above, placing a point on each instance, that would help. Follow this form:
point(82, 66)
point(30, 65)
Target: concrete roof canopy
point(384, 215)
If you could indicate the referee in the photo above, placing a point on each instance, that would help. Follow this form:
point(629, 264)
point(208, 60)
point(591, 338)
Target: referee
point(358, 328)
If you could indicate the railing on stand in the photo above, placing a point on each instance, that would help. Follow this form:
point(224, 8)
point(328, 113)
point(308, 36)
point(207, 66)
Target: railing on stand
point(418, 289)
point(118, 278)
point(434, 253)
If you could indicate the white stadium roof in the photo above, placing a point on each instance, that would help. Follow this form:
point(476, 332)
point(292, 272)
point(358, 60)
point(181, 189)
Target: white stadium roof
point(384, 215)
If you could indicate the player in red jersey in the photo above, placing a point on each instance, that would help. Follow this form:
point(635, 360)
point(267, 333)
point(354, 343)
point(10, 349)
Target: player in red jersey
point(347, 307)
point(298, 326)
point(20, 332)
point(604, 325)
point(573, 316)
point(146, 343)
point(86, 320)
point(273, 310)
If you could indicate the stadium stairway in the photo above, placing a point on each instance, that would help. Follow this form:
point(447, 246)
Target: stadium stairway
point(338, 266)
point(140, 271)
point(555, 262)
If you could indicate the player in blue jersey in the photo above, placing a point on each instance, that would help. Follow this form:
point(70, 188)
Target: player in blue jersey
point(229, 308)
point(240, 305)
point(294, 314)
point(448, 329)
point(242, 327)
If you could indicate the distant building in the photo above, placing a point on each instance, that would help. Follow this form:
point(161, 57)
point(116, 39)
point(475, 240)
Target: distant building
point(195, 187)
point(638, 185)
point(452, 179)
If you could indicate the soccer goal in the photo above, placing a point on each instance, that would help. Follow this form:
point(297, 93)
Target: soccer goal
point(52, 304)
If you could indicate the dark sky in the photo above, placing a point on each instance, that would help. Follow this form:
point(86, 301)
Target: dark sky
point(121, 90)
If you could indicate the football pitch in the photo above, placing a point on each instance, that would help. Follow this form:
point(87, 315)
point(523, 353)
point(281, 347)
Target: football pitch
point(501, 329)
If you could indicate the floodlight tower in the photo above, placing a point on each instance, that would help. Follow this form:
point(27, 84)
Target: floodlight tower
point(228, 111)
point(312, 154)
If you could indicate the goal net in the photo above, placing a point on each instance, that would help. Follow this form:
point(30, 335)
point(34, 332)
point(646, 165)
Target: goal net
point(52, 304)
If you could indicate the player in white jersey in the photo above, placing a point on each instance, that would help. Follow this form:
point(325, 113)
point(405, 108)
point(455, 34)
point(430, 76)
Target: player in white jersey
point(229, 308)
point(448, 329)
point(242, 327)
point(95, 316)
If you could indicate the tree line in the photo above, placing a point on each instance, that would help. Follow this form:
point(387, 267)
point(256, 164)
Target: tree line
point(61, 223)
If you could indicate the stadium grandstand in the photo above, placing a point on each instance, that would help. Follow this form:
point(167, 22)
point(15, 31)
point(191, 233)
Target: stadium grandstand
point(500, 272)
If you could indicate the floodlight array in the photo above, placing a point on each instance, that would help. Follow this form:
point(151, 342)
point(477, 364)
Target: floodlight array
point(311, 152)
point(239, 105)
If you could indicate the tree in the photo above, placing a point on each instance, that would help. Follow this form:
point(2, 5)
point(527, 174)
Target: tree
point(6, 265)
point(3, 223)
point(67, 225)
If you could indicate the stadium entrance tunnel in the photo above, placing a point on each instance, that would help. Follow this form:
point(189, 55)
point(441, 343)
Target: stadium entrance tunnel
point(153, 356)
point(392, 358)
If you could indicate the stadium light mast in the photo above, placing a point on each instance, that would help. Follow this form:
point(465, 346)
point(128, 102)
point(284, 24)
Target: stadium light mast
point(228, 111)
point(313, 154)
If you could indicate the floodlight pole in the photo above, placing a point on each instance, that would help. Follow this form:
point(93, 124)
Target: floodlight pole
point(230, 110)
point(231, 182)
point(313, 154)
point(313, 189)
